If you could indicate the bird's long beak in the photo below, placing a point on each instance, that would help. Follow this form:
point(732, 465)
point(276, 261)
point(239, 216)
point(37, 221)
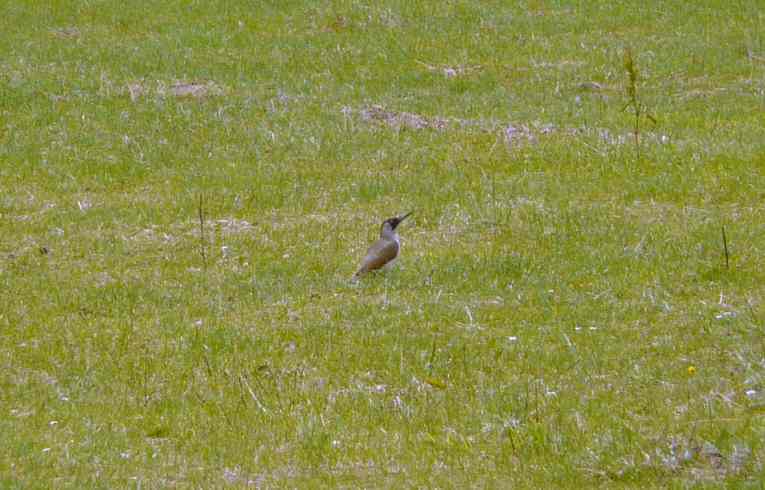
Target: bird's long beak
point(405, 216)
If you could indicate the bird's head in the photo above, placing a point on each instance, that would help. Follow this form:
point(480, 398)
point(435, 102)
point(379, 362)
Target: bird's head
point(390, 224)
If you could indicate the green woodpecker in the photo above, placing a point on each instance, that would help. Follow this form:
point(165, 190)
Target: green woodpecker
point(384, 250)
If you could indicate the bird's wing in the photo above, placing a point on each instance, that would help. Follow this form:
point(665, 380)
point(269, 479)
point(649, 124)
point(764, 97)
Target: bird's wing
point(378, 255)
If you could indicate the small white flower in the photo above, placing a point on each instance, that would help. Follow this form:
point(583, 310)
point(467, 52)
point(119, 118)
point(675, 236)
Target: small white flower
point(725, 314)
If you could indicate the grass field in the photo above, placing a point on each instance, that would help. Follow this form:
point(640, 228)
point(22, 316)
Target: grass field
point(187, 188)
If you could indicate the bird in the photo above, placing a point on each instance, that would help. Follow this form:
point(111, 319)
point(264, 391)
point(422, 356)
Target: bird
point(384, 250)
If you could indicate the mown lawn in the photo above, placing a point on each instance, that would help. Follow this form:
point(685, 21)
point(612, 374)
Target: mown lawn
point(187, 187)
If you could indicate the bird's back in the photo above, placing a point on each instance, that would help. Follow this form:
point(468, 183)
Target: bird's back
point(380, 253)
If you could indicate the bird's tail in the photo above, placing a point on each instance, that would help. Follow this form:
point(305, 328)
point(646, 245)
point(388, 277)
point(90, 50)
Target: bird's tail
point(358, 274)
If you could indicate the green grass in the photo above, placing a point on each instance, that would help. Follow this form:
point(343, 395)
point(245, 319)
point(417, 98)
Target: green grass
point(561, 315)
